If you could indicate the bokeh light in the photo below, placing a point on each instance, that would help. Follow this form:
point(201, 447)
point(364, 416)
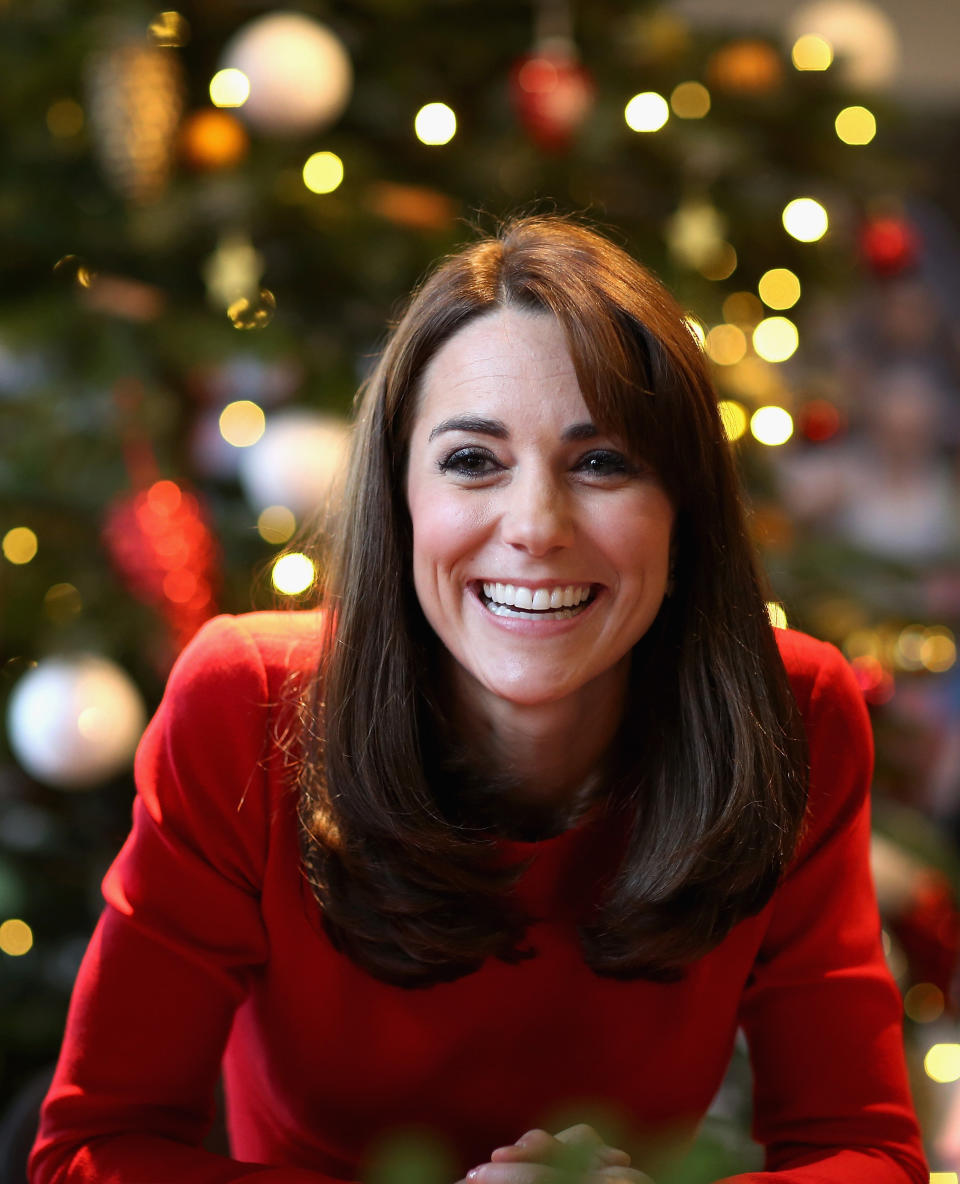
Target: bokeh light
point(775, 339)
point(276, 524)
point(253, 312)
point(944, 1178)
point(62, 602)
point(65, 118)
point(942, 1063)
point(19, 545)
point(742, 308)
point(229, 88)
point(733, 416)
point(805, 219)
point(939, 649)
point(923, 1003)
point(771, 425)
point(242, 423)
point(293, 573)
point(722, 265)
point(646, 112)
point(435, 124)
point(777, 614)
point(779, 288)
point(323, 172)
point(725, 344)
point(856, 125)
point(169, 29)
point(16, 937)
point(812, 52)
point(690, 100)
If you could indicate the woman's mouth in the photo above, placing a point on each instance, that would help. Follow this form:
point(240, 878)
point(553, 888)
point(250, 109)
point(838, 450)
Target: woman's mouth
point(555, 603)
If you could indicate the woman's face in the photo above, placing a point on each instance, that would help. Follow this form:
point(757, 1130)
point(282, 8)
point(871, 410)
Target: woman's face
point(540, 548)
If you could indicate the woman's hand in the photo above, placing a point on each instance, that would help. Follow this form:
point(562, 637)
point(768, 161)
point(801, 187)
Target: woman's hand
point(573, 1156)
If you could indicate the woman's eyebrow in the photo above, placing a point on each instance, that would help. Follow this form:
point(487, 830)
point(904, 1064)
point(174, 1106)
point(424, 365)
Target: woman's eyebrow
point(498, 429)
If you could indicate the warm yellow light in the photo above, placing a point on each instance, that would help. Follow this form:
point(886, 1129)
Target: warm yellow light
point(722, 265)
point(62, 601)
point(856, 125)
point(242, 423)
point(16, 937)
point(741, 308)
point(812, 52)
point(909, 647)
point(323, 172)
point(733, 415)
point(253, 312)
point(805, 219)
point(65, 118)
point(276, 524)
point(725, 344)
point(775, 339)
point(293, 573)
point(690, 100)
point(779, 288)
point(944, 1178)
point(923, 1003)
point(771, 425)
point(942, 1063)
point(19, 545)
point(435, 123)
point(229, 88)
point(939, 649)
point(646, 112)
point(777, 614)
point(696, 328)
point(169, 29)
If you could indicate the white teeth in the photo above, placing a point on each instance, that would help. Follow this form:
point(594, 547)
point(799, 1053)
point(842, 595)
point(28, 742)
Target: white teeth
point(527, 600)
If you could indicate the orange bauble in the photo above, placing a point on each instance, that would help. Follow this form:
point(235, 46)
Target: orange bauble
point(212, 139)
point(746, 67)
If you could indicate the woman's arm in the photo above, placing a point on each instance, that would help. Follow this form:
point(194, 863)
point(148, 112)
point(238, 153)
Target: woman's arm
point(177, 944)
point(822, 1015)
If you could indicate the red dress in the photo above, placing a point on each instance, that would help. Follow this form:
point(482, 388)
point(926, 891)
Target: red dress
point(209, 955)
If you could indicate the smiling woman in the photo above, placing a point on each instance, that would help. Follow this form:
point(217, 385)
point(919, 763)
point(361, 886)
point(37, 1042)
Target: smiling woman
point(523, 822)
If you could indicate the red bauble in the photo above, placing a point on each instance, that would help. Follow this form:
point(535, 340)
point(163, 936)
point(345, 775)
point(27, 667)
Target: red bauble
point(889, 245)
point(819, 420)
point(160, 543)
point(553, 95)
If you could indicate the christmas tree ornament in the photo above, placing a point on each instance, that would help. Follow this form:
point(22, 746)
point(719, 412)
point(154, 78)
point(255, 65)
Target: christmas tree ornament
point(889, 245)
point(295, 463)
point(748, 67)
point(299, 72)
point(213, 139)
point(160, 542)
point(135, 100)
point(74, 722)
point(819, 420)
point(551, 91)
point(864, 39)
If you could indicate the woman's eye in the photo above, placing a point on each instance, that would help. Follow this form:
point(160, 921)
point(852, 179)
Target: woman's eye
point(603, 462)
point(470, 462)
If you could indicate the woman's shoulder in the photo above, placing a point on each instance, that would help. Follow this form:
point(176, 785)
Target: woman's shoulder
point(819, 673)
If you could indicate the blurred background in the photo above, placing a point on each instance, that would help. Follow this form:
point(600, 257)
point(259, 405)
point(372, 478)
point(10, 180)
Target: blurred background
point(210, 214)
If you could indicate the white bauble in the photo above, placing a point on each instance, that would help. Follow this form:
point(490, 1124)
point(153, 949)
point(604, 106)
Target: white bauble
point(299, 73)
point(296, 462)
point(864, 38)
point(75, 722)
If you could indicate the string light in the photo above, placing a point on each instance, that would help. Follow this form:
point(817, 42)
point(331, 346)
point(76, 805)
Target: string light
point(942, 1063)
point(229, 88)
point(19, 545)
point(725, 344)
point(722, 265)
point(742, 308)
point(646, 112)
point(805, 219)
point(690, 100)
point(856, 125)
point(242, 423)
point(775, 339)
point(16, 937)
point(276, 524)
point(293, 573)
point(435, 124)
point(938, 652)
point(323, 172)
point(771, 425)
point(733, 416)
point(253, 312)
point(812, 52)
point(169, 29)
point(779, 288)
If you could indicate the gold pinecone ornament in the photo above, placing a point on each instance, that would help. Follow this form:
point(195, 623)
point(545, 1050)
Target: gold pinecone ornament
point(135, 95)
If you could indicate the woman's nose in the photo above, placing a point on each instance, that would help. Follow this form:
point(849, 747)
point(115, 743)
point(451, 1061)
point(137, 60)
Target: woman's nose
point(537, 517)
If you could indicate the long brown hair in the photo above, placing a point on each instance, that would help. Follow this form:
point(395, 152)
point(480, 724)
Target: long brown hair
point(709, 775)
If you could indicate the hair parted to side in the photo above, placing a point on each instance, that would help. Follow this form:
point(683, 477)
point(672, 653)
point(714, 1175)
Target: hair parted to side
point(709, 776)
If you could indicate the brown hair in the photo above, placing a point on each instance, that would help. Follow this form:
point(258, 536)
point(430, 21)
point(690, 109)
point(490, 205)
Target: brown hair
point(710, 769)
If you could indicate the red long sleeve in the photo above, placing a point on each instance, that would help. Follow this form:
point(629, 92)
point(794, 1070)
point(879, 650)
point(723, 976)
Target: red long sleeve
point(209, 956)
